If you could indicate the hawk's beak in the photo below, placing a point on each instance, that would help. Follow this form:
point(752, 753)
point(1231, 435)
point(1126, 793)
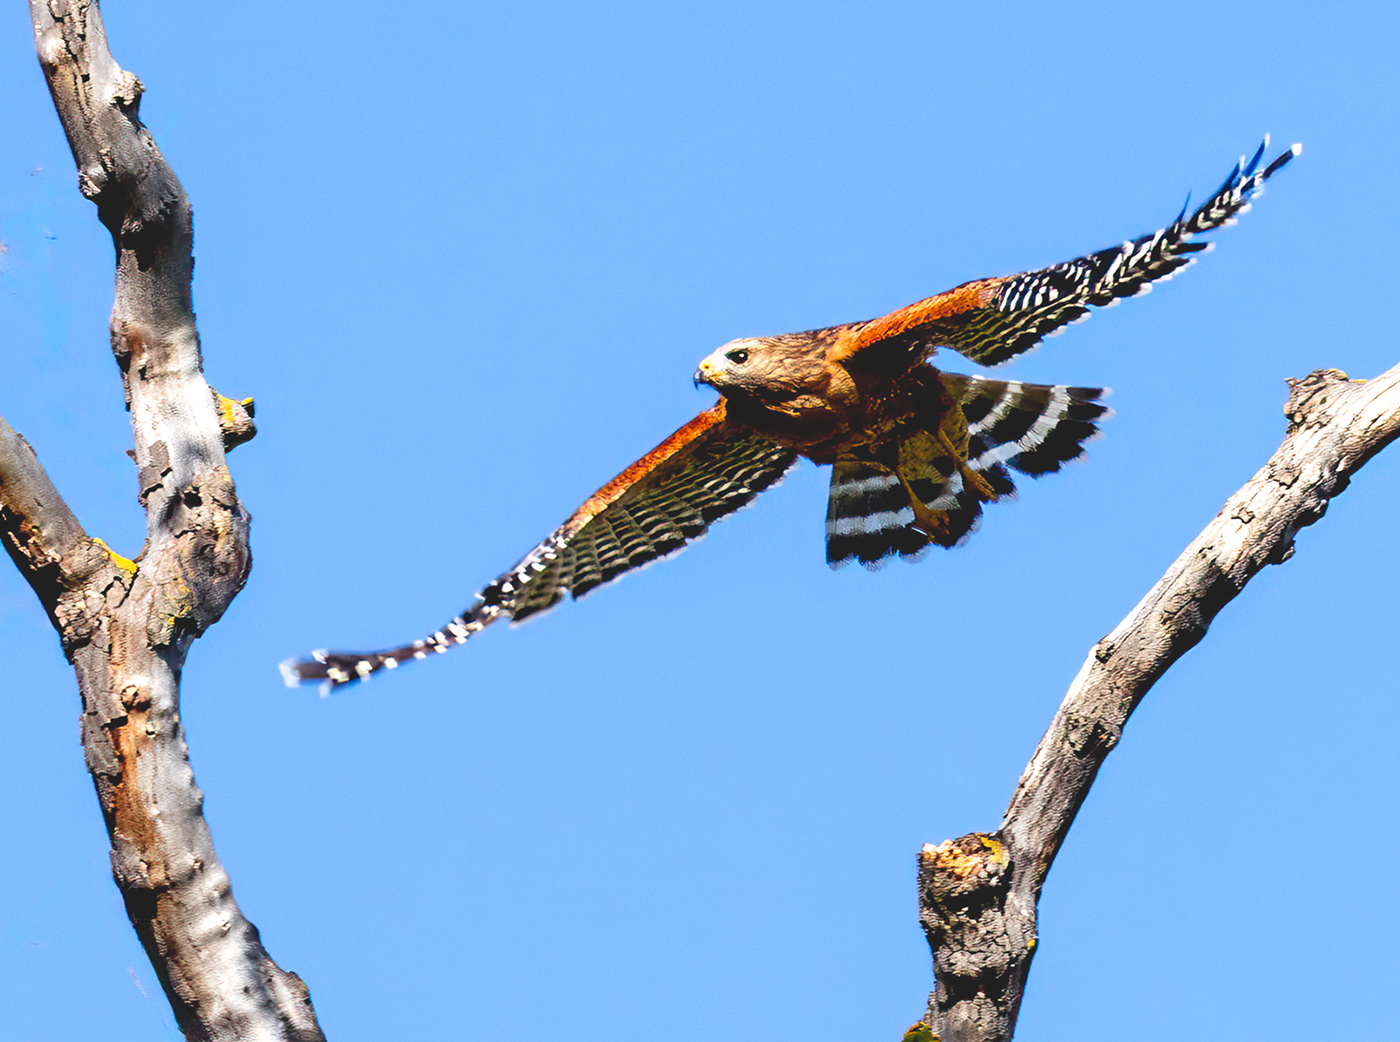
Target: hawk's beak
point(702, 374)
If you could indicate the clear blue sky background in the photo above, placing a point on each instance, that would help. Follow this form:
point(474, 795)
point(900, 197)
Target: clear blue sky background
point(466, 262)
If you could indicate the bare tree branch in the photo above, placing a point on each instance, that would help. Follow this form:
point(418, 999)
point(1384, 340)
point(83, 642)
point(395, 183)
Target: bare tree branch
point(978, 894)
point(127, 625)
point(42, 536)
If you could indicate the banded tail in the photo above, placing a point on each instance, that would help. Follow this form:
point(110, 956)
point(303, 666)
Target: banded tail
point(933, 494)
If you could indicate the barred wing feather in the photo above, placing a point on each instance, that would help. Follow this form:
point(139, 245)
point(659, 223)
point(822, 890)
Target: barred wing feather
point(706, 470)
point(993, 320)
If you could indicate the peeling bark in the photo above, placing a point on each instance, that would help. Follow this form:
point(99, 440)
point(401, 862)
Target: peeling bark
point(978, 894)
point(127, 625)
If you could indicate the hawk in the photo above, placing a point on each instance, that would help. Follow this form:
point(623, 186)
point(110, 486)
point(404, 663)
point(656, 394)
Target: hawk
point(915, 452)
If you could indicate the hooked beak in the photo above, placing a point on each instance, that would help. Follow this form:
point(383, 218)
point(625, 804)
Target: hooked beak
point(702, 374)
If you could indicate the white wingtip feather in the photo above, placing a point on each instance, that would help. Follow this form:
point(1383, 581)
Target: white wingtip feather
point(289, 674)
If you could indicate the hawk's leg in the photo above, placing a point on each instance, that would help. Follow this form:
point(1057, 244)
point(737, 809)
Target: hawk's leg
point(931, 522)
point(935, 522)
point(971, 479)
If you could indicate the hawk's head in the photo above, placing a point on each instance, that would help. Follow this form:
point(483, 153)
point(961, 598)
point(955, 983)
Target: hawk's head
point(770, 369)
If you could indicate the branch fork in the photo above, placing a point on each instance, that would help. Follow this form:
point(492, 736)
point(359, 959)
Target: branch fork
point(126, 625)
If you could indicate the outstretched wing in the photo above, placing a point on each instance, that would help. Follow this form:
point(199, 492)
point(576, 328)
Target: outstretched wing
point(992, 320)
point(707, 469)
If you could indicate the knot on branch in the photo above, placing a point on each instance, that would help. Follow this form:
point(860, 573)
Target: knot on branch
point(50, 45)
point(961, 883)
point(204, 560)
point(141, 879)
point(1308, 395)
point(235, 420)
point(93, 180)
point(1104, 649)
point(127, 89)
point(135, 697)
point(982, 938)
point(1088, 735)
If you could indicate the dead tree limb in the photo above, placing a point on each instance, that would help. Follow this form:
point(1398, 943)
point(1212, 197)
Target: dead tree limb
point(978, 894)
point(127, 625)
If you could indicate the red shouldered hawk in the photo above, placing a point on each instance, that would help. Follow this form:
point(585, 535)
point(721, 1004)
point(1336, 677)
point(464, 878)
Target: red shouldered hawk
point(915, 452)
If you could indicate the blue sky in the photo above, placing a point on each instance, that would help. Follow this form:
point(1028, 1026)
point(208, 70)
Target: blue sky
point(467, 266)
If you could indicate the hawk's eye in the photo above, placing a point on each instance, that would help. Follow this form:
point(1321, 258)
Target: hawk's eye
point(738, 356)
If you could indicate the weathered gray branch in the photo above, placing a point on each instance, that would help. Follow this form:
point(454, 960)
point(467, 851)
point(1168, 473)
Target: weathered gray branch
point(42, 536)
point(127, 625)
point(978, 894)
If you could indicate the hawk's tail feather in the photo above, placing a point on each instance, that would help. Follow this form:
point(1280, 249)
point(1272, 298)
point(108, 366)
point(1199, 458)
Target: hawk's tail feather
point(869, 517)
point(932, 497)
point(1032, 428)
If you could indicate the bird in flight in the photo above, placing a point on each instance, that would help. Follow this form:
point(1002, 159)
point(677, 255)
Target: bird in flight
point(915, 452)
